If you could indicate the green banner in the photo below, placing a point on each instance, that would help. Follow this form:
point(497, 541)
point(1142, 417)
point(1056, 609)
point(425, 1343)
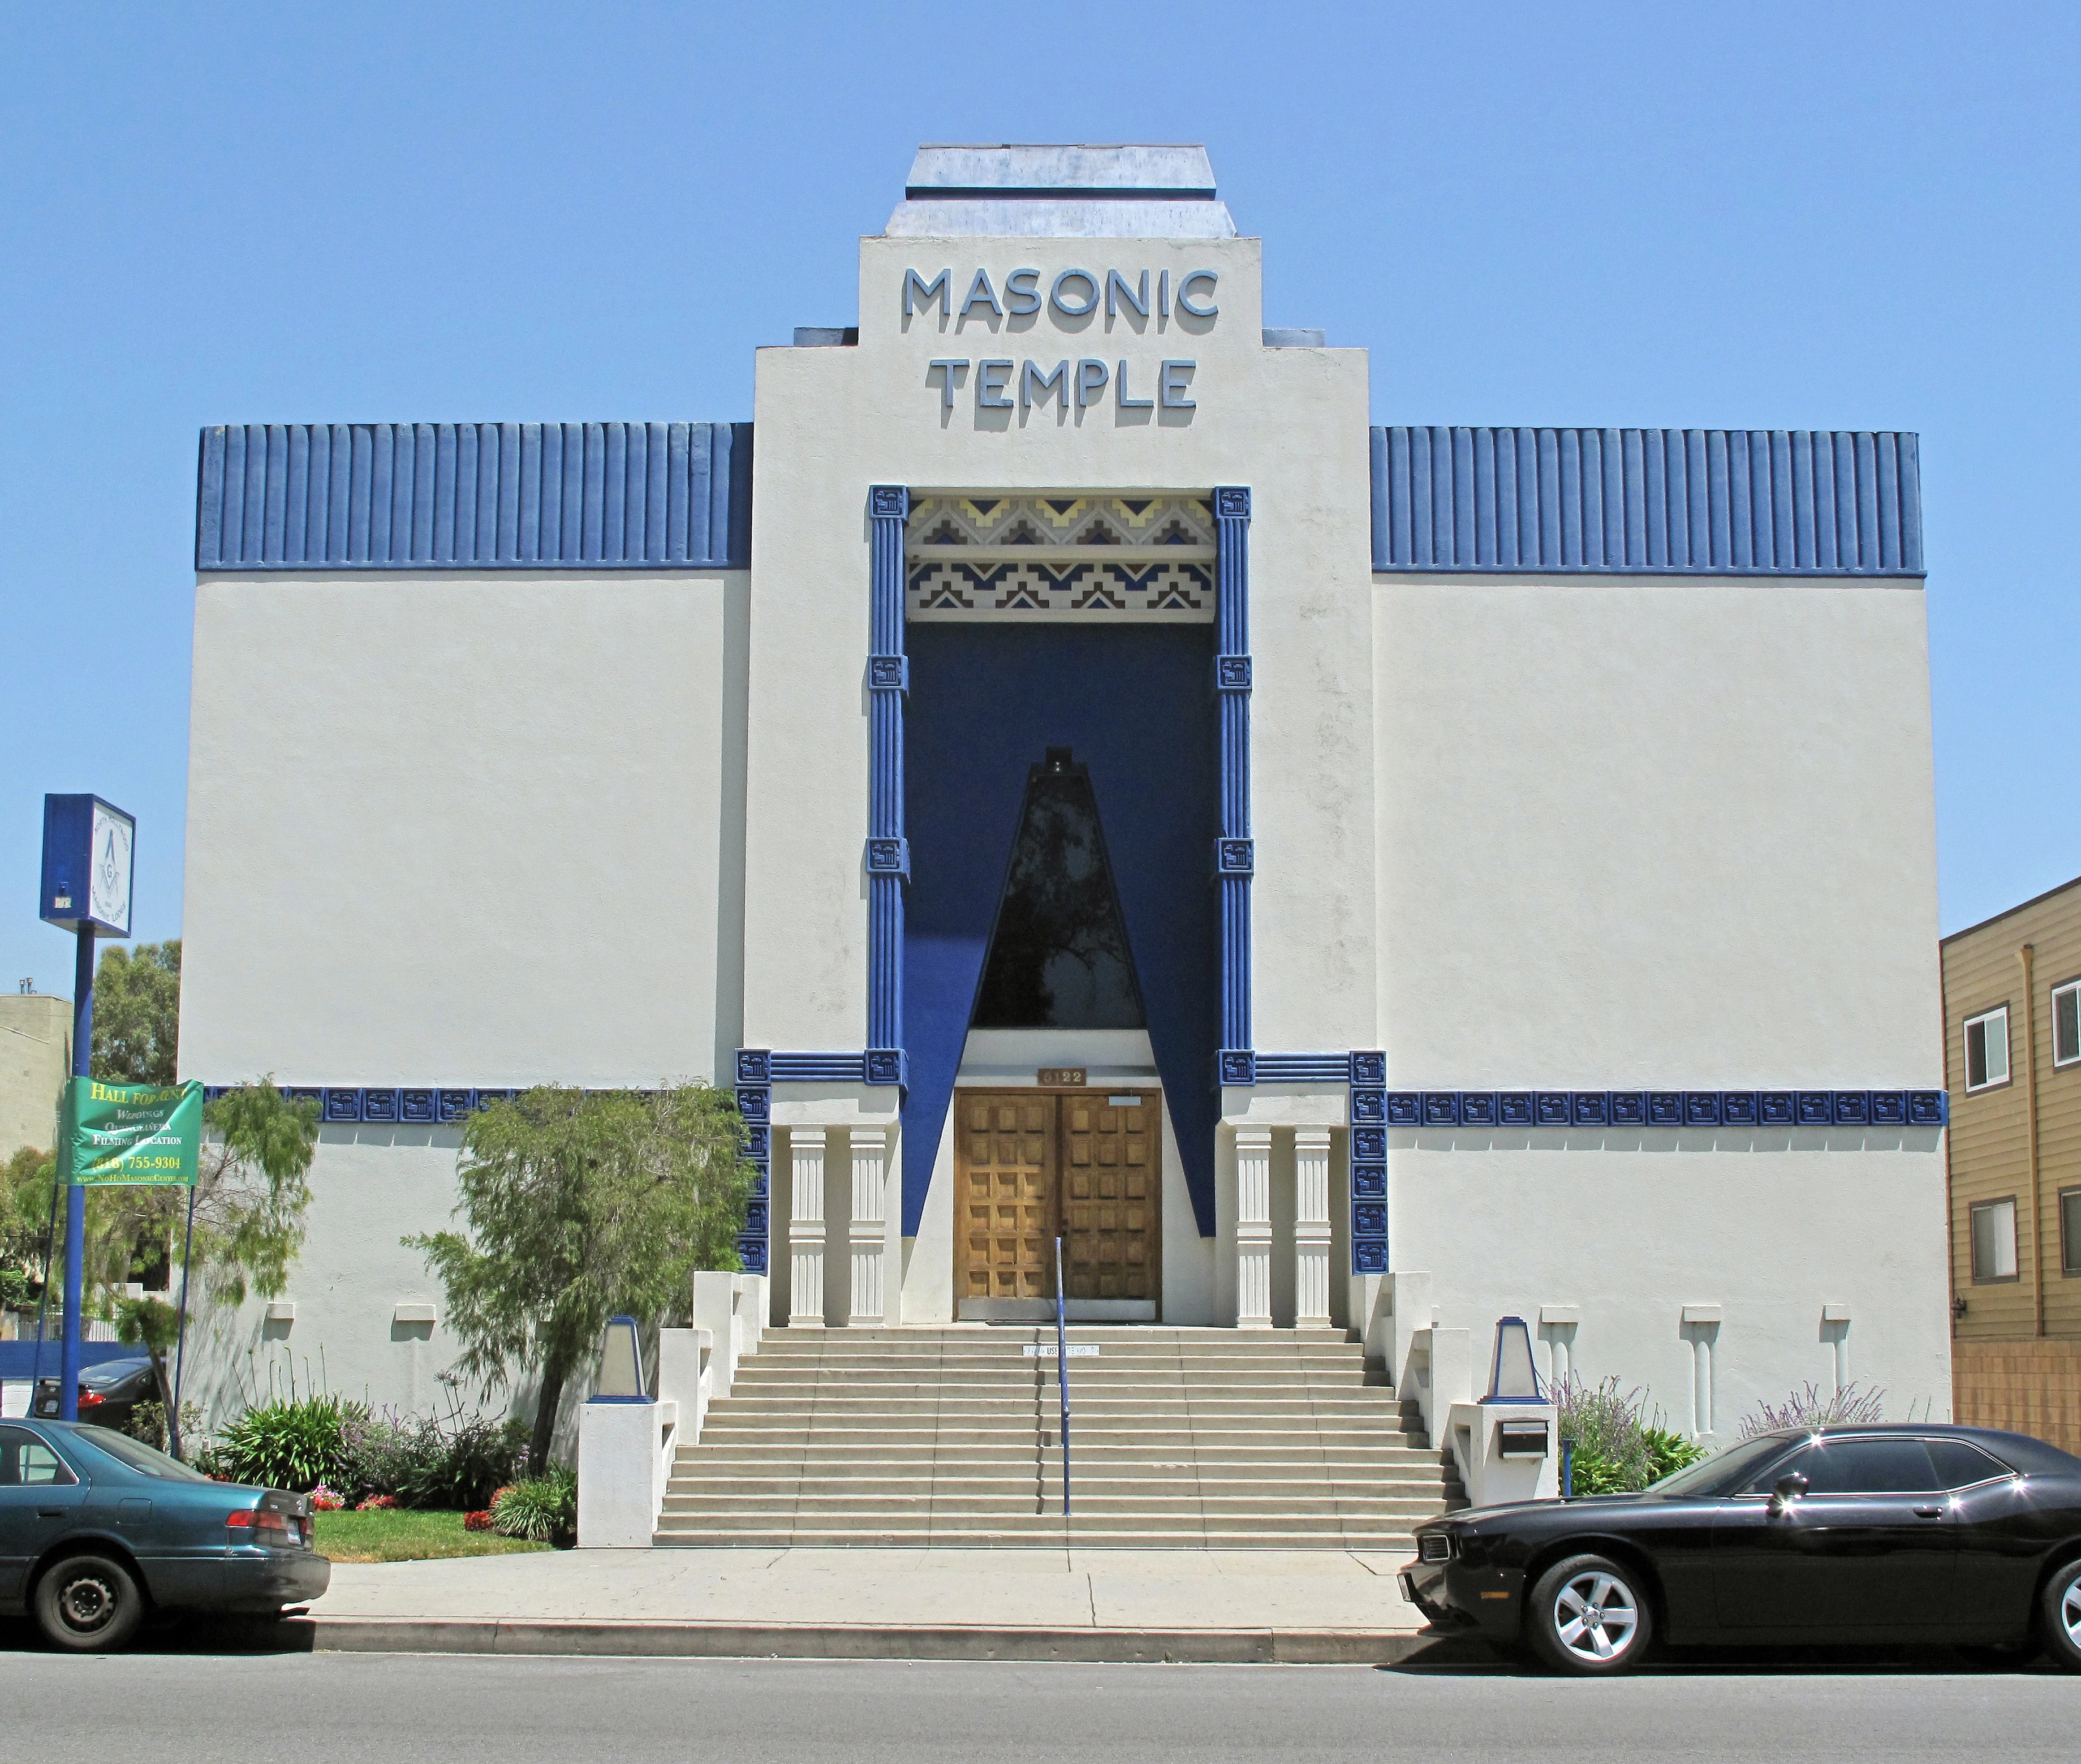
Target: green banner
point(130, 1133)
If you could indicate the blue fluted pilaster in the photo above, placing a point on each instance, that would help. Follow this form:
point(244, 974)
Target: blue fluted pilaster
point(888, 852)
point(1235, 856)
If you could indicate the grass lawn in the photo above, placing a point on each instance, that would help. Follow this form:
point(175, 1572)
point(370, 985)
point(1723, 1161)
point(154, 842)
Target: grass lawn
point(407, 1537)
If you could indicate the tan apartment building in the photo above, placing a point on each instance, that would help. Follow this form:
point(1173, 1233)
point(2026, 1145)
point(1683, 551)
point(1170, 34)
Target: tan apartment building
point(35, 1054)
point(2012, 1061)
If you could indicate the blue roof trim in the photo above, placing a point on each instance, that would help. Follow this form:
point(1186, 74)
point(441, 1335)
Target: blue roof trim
point(474, 496)
point(1717, 502)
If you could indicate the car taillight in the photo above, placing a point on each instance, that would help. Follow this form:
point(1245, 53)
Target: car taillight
point(258, 1520)
point(91, 1398)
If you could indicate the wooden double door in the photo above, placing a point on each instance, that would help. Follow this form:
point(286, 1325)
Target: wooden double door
point(1030, 1164)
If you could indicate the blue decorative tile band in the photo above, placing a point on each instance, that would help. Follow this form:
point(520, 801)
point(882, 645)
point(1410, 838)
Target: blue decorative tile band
point(1671, 1109)
point(754, 1104)
point(1302, 1068)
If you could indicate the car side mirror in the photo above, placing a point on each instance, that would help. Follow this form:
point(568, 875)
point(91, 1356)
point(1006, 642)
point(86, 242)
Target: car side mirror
point(1786, 1490)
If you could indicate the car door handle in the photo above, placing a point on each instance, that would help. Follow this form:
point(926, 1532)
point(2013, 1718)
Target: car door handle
point(50, 1512)
point(1929, 1512)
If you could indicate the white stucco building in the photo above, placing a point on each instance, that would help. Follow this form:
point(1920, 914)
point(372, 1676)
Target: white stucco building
point(1069, 772)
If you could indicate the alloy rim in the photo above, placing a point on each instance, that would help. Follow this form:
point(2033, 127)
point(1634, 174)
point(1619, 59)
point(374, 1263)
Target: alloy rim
point(2070, 1611)
point(1596, 1618)
point(87, 1604)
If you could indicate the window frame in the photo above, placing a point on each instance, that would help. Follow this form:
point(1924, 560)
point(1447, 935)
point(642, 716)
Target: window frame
point(1973, 1210)
point(1998, 1471)
point(70, 1477)
point(1822, 1441)
point(2070, 1241)
point(1965, 1049)
point(2074, 1057)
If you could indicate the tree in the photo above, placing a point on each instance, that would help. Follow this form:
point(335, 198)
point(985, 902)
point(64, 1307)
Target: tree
point(154, 1325)
point(581, 1205)
point(137, 1013)
point(25, 1199)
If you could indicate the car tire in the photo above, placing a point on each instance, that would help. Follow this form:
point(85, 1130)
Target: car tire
point(2059, 1616)
point(1589, 1616)
point(89, 1604)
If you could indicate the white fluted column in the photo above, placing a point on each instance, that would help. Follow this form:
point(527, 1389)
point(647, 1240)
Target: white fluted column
point(867, 1232)
point(1311, 1228)
point(805, 1228)
point(1253, 1231)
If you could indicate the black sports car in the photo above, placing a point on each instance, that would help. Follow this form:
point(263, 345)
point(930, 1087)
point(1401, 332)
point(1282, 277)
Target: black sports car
point(1951, 1535)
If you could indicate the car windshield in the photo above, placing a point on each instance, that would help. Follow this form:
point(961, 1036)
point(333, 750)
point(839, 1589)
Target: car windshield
point(110, 1372)
point(133, 1453)
point(1725, 1469)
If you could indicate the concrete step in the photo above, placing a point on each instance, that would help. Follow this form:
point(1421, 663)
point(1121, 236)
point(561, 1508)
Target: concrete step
point(1123, 1459)
point(915, 1411)
point(1205, 1435)
point(1051, 1533)
point(708, 1472)
point(760, 1514)
point(826, 1495)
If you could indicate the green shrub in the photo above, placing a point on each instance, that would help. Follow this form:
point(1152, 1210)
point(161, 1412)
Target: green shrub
point(148, 1422)
point(426, 1462)
point(543, 1509)
point(1618, 1449)
point(293, 1445)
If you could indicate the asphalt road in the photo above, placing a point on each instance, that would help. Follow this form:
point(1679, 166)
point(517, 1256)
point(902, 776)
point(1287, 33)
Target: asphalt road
point(401, 1709)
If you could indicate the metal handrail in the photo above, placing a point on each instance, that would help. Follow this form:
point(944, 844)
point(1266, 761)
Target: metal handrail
point(1063, 1371)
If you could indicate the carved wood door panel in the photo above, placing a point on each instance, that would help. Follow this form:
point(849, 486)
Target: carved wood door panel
point(1111, 1188)
point(1004, 1162)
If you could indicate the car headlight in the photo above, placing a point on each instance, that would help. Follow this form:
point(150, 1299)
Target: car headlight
point(1434, 1546)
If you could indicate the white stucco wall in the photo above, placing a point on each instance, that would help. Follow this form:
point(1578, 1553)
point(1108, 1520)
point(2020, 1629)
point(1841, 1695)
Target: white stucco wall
point(1632, 1225)
point(1675, 832)
point(464, 829)
point(370, 1186)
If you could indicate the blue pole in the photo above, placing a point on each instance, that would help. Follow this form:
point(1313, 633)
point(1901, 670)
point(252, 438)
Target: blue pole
point(75, 1274)
point(1062, 1372)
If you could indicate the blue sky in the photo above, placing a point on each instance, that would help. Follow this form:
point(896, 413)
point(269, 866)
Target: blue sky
point(1769, 215)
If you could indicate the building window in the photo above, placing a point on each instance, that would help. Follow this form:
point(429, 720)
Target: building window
point(2070, 1231)
point(1993, 1241)
point(2066, 1024)
point(1987, 1049)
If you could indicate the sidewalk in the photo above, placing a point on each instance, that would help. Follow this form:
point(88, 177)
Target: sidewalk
point(1058, 1604)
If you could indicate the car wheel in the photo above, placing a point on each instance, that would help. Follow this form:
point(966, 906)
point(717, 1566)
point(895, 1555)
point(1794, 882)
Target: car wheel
point(89, 1603)
point(2059, 1627)
point(1588, 1616)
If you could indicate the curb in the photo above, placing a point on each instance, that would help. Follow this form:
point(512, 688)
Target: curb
point(863, 1641)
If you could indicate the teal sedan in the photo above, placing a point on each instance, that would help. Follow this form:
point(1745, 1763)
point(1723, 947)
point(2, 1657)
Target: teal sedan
point(97, 1530)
